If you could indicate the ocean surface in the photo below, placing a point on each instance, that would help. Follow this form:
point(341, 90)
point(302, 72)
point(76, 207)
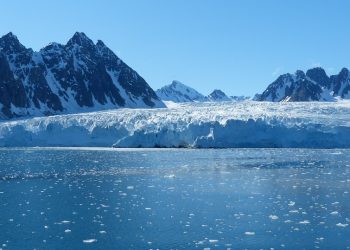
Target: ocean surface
point(99, 198)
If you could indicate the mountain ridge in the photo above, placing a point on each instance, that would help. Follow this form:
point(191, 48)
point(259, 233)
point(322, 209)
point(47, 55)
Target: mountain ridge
point(76, 77)
point(314, 85)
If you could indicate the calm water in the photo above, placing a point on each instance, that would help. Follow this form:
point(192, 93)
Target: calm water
point(174, 199)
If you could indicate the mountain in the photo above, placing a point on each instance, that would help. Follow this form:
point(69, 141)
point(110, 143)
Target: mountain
point(79, 76)
point(179, 92)
point(315, 85)
point(218, 96)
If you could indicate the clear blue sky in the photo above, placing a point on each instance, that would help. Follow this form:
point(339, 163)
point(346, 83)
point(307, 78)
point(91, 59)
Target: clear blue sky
point(237, 46)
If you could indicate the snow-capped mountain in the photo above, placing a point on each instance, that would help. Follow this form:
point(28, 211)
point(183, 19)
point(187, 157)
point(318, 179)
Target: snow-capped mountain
point(315, 85)
point(78, 76)
point(218, 96)
point(179, 92)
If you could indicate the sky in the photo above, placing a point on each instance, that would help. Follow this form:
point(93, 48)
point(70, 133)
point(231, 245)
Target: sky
point(237, 46)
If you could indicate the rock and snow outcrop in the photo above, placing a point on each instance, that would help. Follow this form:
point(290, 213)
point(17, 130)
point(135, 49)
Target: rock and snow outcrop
point(224, 124)
point(315, 85)
point(78, 76)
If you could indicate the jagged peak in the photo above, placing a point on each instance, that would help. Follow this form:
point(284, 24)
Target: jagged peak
point(9, 35)
point(299, 74)
point(79, 38)
point(176, 82)
point(10, 42)
point(344, 71)
point(319, 76)
point(52, 46)
point(316, 70)
point(100, 44)
point(177, 85)
point(218, 92)
point(218, 95)
point(283, 78)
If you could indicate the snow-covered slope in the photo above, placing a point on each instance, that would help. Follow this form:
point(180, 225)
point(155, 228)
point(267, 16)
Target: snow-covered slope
point(179, 92)
point(315, 85)
point(225, 124)
point(78, 76)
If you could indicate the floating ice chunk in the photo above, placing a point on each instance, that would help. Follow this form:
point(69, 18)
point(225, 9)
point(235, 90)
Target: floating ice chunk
point(304, 222)
point(342, 225)
point(249, 233)
point(291, 203)
point(334, 213)
point(273, 217)
point(67, 231)
point(213, 241)
point(65, 222)
point(293, 211)
point(169, 176)
point(89, 241)
point(148, 208)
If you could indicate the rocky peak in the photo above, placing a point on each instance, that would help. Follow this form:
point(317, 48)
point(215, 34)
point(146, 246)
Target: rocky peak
point(80, 39)
point(179, 92)
point(100, 44)
point(315, 85)
point(218, 95)
point(10, 43)
point(300, 74)
point(319, 76)
point(344, 73)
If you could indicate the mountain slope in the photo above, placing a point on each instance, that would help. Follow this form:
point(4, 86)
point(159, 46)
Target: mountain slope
point(315, 85)
point(78, 76)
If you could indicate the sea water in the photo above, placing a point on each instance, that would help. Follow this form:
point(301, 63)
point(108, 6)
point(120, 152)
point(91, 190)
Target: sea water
point(91, 198)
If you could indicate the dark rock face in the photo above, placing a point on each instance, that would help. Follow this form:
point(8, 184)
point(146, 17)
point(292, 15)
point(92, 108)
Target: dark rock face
point(12, 91)
point(315, 85)
point(78, 76)
point(319, 76)
point(341, 83)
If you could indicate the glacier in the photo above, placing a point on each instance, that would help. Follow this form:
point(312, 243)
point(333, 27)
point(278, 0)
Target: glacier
point(193, 125)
